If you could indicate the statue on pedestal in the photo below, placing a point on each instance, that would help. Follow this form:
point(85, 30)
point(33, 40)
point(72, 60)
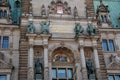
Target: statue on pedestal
point(45, 27)
point(78, 30)
point(38, 70)
point(90, 69)
point(91, 30)
point(43, 10)
point(75, 12)
point(31, 28)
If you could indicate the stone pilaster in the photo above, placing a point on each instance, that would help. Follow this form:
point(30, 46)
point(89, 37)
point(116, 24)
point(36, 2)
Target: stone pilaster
point(82, 58)
point(30, 63)
point(97, 64)
point(50, 70)
point(78, 71)
point(46, 65)
point(96, 59)
point(46, 68)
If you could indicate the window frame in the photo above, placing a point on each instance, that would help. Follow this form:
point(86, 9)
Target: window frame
point(114, 76)
point(66, 73)
point(5, 76)
point(2, 42)
point(108, 45)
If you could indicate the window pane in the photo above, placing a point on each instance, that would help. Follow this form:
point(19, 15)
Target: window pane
point(54, 75)
point(61, 73)
point(3, 77)
point(105, 45)
point(111, 45)
point(111, 77)
point(5, 42)
point(69, 73)
point(117, 77)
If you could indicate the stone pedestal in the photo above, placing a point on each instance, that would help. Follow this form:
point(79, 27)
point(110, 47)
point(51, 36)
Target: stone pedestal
point(84, 74)
point(98, 74)
point(92, 77)
point(30, 73)
point(46, 73)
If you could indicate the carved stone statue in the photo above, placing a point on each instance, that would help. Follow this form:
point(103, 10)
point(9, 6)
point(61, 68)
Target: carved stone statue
point(69, 10)
point(45, 27)
point(75, 12)
point(115, 58)
point(31, 28)
point(43, 10)
point(91, 30)
point(78, 30)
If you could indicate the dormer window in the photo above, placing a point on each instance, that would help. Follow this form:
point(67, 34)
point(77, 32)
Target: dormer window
point(60, 9)
point(103, 18)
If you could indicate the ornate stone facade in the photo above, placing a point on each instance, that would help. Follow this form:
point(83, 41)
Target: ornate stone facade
point(58, 40)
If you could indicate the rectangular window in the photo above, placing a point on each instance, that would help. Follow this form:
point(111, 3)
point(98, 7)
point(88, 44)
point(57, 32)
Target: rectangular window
point(105, 45)
point(111, 77)
point(117, 77)
point(114, 77)
point(69, 73)
point(54, 73)
point(108, 45)
point(61, 73)
point(3, 77)
point(111, 45)
point(5, 43)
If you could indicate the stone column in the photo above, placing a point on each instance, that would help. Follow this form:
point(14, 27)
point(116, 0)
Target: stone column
point(50, 70)
point(46, 68)
point(96, 58)
point(83, 63)
point(46, 65)
point(78, 72)
point(97, 64)
point(30, 63)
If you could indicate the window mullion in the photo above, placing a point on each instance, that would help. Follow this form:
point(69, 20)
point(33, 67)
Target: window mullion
point(108, 45)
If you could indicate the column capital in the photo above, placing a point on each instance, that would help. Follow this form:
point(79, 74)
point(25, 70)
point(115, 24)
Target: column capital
point(31, 45)
point(45, 45)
